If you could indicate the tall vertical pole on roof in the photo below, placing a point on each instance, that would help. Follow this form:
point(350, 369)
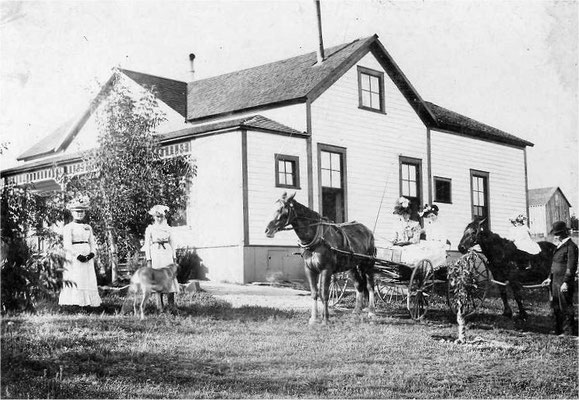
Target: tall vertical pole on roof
point(320, 39)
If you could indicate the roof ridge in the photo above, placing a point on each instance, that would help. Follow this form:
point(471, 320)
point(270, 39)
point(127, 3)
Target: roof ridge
point(333, 49)
point(151, 75)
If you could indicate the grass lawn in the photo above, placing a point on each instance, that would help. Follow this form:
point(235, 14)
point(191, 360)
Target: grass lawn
point(212, 350)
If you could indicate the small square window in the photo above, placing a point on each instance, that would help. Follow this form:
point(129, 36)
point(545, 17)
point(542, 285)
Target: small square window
point(287, 171)
point(442, 190)
point(371, 89)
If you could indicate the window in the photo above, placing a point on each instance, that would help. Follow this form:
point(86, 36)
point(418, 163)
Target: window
point(287, 171)
point(479, 184)
point(371, 89)
point(410, 182)
point(442, 190)
point(332, 180)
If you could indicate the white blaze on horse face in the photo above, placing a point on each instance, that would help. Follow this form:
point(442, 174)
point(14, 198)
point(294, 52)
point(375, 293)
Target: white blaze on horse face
point(277, 221)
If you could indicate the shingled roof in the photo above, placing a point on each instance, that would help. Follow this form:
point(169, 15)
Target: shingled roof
point(255, 122)
point(169, 91)
point(51, 143)
point(285, 81)
point(290, 81)
point(541, 196)
point(451, 121)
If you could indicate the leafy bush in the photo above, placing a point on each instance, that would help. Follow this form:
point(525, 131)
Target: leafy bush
point(24, 285)
point(190, 265)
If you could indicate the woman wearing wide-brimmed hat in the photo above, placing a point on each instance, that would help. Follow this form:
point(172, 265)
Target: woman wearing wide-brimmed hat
point(159, 247)
point(80, 248)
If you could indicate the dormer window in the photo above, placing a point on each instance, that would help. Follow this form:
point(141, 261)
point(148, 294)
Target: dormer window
point(371, 89)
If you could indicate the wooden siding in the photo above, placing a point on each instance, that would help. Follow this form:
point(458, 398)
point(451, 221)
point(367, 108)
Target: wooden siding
point(216, 204)
point(373, 141)
point(538, 221)
point(262, 192)
point(453, 156)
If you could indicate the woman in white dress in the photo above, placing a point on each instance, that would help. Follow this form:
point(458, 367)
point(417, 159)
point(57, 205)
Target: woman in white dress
point(80, 247)
point(521, 236)
point(406, 234)
point(159, 247)
point(435, 244)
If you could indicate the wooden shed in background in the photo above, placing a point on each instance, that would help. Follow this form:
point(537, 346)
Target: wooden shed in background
point(547, 205)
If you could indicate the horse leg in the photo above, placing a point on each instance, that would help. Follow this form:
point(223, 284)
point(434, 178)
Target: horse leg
point(371, 298)
point(507, 312)
point(325, 278)
point(359, 285)
point(313, 281)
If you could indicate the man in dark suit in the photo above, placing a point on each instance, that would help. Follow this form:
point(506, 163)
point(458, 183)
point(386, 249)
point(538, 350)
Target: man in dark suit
point(562, 279)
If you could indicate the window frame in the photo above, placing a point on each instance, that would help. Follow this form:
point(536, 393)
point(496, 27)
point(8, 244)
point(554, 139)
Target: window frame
point(417, 162)
point(436, 179)
point(380, 76)
point(486, 177)
point(296, 172)
point(342, 151)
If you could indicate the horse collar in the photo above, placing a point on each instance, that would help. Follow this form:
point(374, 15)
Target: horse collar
point(315, 241)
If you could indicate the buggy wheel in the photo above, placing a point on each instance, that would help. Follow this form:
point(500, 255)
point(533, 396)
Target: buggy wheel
point(338, 285)
point(419, 288)
point(389, 292)
point(477, 264)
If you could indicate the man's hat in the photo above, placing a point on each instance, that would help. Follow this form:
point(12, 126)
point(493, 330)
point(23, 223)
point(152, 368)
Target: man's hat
point(559, 227)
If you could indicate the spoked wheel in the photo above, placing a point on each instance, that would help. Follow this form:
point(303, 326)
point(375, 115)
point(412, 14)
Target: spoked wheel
point(338, 286)
point(477, 264)
point(390, 292)
point(419, 288)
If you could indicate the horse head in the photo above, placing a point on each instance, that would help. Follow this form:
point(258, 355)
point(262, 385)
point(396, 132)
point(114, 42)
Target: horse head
point(282, 216)
point(470, 237)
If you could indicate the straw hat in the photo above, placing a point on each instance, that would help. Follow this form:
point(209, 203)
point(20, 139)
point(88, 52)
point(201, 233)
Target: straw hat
point(159, 210)
point(81, 203)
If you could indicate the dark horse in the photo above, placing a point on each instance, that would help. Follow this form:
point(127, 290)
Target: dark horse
point(505, 262)
point(327, 249)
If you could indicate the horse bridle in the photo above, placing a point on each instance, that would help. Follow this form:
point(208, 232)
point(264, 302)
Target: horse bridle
point(317, 237)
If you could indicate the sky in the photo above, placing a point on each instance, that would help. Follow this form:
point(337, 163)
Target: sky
point(510, 64)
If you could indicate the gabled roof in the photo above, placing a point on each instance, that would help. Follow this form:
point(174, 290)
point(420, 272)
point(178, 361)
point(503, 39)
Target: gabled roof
point(51, 143)
point(285, 81)
point(455, 122)
point(301, 78)
point(541, 196)
point(171, 92)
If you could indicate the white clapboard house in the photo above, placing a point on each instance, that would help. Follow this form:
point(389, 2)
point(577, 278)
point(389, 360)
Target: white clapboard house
point(349, 135)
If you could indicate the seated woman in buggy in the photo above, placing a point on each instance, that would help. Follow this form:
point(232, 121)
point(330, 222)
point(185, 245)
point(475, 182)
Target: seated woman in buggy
point(407, 247)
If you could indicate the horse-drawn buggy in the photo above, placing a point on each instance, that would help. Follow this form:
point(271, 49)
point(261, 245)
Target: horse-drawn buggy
point(335, 254)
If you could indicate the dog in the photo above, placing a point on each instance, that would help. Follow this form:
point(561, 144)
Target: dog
point(146, 280)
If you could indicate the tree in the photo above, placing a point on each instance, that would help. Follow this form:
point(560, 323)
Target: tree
point(28, 274)
point(463, 284)
point(126, 174)
point(574, 223)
